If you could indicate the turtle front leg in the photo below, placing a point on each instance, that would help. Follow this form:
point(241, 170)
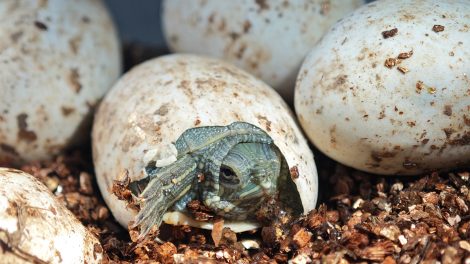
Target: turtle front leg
point(169, 184)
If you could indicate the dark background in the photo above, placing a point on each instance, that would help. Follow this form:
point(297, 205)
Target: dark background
point(138, 21)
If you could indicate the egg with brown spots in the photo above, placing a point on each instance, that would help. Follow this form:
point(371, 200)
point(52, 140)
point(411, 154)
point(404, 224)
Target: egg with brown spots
point(150, 108)
point(57, 59)
point(36, 228)
point(269, 39)
point(387, 90)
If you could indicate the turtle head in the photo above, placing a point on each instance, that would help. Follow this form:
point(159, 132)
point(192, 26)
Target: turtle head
point(248, 177)
point(250, 168)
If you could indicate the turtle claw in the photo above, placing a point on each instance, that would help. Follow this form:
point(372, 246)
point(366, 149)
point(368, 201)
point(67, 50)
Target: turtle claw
point(162, 191)
point(150, 215)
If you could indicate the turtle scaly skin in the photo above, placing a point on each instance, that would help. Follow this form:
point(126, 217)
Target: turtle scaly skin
point(241, 168)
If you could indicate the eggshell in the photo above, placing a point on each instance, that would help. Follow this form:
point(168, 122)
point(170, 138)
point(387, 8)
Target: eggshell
point(36, 226)
point(363, 111)
point(269, 39)
point(151, 106)
point(57, 59)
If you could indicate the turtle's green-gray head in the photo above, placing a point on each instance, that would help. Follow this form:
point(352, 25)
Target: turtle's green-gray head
point(248, 176)
point(250, 165)
point(240, 164)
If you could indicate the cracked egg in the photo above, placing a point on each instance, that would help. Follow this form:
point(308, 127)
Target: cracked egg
point(186, 128)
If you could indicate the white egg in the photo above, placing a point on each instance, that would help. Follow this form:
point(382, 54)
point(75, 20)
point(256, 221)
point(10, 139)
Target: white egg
point(37, 228)
point(150, 107)
point(269, 39)
point(387, 89)
point(57, 59)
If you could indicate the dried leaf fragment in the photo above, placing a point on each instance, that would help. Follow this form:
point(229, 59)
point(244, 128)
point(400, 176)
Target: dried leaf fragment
point(390, 62)
point(405, 55)
point(402, 69)
point(378, 251)
point(294, 173)
point(431, 90)
point(438, 28)
point(120, 188)
point(199, 211)
point(228, 237)
point(389, 33)
point(419, 86)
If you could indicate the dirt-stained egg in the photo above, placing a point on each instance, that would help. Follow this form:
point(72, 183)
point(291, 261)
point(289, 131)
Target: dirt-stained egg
point(36, 228)
point(57, 59)
point(269, 39)
point(188, 128)
point(387, 89)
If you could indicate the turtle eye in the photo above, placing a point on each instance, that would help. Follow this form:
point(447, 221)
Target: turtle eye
point(228, 177)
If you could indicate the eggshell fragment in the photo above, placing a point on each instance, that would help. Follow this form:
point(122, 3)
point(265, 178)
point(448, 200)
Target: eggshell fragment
point(57, 59)
point(269, 39)
point(37, 228)
point(151, 106)
point(387, 89)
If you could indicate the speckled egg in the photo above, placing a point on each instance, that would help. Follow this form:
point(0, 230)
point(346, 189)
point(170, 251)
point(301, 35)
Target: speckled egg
point(57, 59)
point(39, 229)
point(387, 89)
point(269, 39)
point(151, 106)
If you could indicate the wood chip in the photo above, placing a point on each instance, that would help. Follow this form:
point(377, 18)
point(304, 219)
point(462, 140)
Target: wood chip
point(217, 229)
point(301, 238)
point(464, 245)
